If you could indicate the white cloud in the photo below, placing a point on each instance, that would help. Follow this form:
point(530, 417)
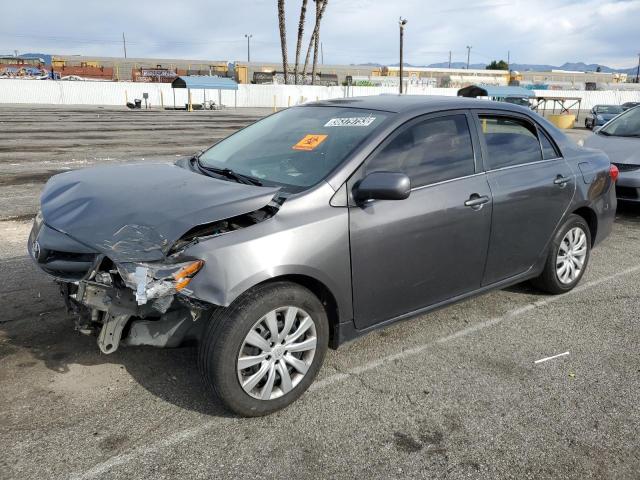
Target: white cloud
point(354, 31)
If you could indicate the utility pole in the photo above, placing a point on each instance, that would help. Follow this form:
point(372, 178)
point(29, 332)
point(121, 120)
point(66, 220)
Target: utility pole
point(402, 22)
point(449, 58)
point(508, 61)
point(124, 45)
point(468, 55)
point(638, 70)
point(248, 37)
point(321, 54)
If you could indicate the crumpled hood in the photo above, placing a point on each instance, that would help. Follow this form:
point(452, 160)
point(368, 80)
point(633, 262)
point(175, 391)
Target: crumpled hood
point(136, 212)
point(619, 149)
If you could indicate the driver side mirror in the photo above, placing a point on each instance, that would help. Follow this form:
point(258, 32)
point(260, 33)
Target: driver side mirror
point(382, 186)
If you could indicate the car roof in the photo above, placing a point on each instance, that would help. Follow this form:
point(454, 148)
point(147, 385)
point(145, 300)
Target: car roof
point(405, 103)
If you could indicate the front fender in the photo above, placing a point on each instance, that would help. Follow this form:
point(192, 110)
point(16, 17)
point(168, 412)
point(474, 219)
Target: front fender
point(313, 242)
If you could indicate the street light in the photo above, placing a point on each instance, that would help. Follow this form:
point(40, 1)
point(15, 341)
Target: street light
point(402, 22)
point(468, 55)
point(248, 37)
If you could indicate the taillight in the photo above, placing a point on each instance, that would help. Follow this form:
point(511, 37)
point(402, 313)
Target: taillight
point(614, 172)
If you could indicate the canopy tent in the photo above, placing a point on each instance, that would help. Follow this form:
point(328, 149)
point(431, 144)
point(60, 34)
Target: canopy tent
point(565, 104)
point(535, 102)
point(495, 92)
point(204, 83)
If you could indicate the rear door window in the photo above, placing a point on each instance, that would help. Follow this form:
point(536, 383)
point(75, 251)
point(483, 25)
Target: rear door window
point(510, 141)
point(429, 151)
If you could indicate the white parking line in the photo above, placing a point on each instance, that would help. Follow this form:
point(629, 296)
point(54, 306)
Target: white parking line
point(545, 359)
point(183, 435)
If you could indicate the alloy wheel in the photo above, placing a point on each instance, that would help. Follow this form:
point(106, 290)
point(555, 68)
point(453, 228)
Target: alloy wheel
point(277, 353)
point(571, 255)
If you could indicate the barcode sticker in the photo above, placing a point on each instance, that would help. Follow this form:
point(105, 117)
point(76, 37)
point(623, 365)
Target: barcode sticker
point(350, 122)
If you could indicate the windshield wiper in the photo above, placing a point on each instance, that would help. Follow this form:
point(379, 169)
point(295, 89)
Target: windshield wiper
point(601, 132)
point(227, 172)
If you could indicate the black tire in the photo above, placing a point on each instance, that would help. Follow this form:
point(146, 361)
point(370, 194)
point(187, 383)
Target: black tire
point(549, 281)
point(225, 334)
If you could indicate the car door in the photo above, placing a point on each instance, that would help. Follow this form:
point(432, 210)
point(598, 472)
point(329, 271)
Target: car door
point(412, 253)
point(532, 187)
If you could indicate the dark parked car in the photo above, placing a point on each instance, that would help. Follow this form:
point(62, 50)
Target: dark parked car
point(601, 114)
point(627, 105)
point(620, 140)
point(317, 225)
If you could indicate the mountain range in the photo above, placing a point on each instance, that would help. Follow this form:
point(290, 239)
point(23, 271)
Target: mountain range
point(524, 67)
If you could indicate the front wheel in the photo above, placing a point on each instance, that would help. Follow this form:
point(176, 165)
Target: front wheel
point(567, 258)
point(262, 352)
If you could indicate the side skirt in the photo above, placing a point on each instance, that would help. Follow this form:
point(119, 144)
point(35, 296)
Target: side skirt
point(347, 332)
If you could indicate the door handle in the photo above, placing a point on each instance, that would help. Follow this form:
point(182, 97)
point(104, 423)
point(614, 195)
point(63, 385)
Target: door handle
point(560, 180)
point(476, 201)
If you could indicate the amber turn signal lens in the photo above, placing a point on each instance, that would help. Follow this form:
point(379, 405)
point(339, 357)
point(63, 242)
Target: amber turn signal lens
point(185, 274)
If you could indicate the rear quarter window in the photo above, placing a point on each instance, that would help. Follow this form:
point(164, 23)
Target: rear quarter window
point(549, 151)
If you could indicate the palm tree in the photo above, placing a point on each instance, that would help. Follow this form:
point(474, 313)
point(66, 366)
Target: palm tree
point(283, 39)
point(303, 12)
point(314, 41)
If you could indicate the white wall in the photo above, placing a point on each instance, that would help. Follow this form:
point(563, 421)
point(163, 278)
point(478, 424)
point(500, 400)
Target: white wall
point(591, 98)
point(117, 93)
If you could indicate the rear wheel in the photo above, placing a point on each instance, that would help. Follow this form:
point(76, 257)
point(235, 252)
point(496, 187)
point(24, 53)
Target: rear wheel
point(567, 258)
point(262, 352)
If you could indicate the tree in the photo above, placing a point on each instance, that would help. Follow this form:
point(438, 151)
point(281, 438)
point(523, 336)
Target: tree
point(283, 39)
point(316, 42)
point(320, 7)
point(498, 65)
point(303, 12)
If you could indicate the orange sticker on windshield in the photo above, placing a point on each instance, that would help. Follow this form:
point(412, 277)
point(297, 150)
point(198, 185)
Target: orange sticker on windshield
point(309, 142)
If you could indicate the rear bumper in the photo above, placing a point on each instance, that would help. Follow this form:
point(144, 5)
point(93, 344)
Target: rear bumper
point(628, 186)
point(605, 209)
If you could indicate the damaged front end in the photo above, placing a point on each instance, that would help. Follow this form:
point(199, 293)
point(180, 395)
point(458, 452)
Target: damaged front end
point(126, 303)
point(136, 304)
point(117, 242)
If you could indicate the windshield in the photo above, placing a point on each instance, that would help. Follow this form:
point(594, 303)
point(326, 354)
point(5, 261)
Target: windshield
point(608, 109)
point(624, 125)
point(297, 147)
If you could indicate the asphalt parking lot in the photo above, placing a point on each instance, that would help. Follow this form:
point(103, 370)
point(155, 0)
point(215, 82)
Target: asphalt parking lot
point(453, 394)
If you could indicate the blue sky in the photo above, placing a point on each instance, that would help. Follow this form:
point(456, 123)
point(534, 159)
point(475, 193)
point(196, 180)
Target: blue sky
point(353, 31)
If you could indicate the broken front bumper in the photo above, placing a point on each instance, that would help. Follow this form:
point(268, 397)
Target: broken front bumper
point(121, 320)
point(128, 303)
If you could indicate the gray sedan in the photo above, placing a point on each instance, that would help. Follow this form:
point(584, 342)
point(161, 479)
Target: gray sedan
point(601, 114)
point(620, 140)
point(317, 225)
